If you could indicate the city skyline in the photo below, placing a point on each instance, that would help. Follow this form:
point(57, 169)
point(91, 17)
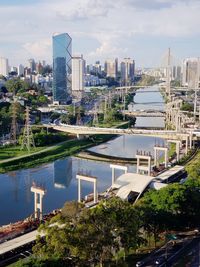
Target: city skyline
point(142, 30)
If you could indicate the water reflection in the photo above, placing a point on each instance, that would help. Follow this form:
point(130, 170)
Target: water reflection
point(126, 146)
point(59, 176)
point(62, 173)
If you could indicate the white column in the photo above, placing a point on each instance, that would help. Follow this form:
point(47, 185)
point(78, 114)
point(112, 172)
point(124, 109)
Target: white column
point(149, 166)
point(95, 191)
point(177, 151)
point(79, 190)
point(138, 163)
point(35, 206)
point(190, 140)
point(40, 208)
point(113, 175)
point(155, 156)
point(166, 158)
point(186, 146)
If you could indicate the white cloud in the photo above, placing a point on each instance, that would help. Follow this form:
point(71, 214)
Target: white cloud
point(111, 26)
point(39, 50)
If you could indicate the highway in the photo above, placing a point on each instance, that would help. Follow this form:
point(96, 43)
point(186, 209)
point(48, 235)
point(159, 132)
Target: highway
point(171, 253)
point(18, 242)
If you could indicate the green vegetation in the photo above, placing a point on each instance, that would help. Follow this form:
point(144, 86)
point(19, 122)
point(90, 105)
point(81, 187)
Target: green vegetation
point(106, 234)
point(51, 153)
point(175, 83)
point(33, 94)
point(193, 167)
point(115, 229)
point(146, 80)
point(5, 116)
point(187, 107)
point(8, 152)
point(113, 115)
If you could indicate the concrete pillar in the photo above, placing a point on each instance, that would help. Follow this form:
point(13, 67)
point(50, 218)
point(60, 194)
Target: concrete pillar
point(155, 156)
point(156, 150)
point(95, 191)
point(119, 167)
point(35, 205)
point(186, 146)
point(88, 179)
point(144, 168)
point(79, 190)
point(39, 192)
point(178, 151)
point(178, 144)
point(190, 140)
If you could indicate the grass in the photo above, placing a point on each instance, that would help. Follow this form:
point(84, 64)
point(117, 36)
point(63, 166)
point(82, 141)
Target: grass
point(15, 151)
point(61, 150)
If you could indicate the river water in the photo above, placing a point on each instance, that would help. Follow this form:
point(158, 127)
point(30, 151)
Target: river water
point(59, 177)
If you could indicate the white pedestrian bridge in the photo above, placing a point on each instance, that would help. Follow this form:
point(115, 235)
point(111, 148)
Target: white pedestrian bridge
point(85, 130)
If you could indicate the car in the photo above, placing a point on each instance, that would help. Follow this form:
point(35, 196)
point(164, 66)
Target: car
point(160, 260)
point(139, 264)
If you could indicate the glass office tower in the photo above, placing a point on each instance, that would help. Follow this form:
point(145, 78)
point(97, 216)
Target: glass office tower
point(62, 68)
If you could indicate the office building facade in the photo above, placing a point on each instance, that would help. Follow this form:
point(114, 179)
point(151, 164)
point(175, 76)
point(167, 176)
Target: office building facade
point(77, 76)
point(111, 68)
point(127, 71)
point(191, 72)
point(62, 50)
point(4, 69)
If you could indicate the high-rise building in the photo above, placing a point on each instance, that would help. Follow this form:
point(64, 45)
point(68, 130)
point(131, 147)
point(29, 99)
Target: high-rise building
point(127, 71)
point(176, 73)
point(191, 72)
point(111, 67)
point(32, 65)
point(77, 76)
point(4, 69)
point(20, 70)
point(62, 46)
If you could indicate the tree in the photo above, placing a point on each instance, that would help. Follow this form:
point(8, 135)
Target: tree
point(90, 236)
point(16, 85)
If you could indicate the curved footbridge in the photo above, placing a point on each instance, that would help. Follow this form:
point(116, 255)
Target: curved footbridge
point(84, 130)
point(186, 136)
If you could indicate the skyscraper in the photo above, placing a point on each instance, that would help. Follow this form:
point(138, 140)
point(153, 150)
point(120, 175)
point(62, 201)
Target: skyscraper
point(3, 66)
point(111, 68)
point(191, 72)
point(127, 71)
point(77, 76)
point(20, 70)
point(62, 68)
point(32, 65)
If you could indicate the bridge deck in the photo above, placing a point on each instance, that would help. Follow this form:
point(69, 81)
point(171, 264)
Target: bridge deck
point(84, 130)
point(18, 242)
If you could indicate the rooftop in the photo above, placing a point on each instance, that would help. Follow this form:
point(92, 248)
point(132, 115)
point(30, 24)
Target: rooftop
point(169, 173)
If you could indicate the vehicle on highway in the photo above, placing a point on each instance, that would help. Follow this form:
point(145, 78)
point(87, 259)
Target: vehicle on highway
point(160, 260)
point(139, 264)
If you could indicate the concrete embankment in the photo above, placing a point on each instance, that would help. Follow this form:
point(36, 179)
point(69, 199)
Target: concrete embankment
point(90, 155)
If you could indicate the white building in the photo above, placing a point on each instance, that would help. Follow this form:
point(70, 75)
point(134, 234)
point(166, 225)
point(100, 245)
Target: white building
point(20, 70)
point(191, 72)
point(127, 71)
point(4, 66)
point(111, 67)
point(77, 76)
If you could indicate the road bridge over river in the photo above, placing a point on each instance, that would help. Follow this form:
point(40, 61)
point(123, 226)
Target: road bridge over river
point(151, 88)
point(84, 130)
point(144, 113)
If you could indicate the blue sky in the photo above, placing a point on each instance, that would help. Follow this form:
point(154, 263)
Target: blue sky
point(140, 29)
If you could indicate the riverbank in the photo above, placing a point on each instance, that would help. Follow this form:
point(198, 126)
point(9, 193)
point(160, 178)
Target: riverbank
point(61, 150)
point(90, 155)
point(57, 151)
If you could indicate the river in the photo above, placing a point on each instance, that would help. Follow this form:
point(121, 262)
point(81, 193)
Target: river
point(59, 177)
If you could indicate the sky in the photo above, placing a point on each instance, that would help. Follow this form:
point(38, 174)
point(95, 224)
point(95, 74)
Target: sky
point(101, 29)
